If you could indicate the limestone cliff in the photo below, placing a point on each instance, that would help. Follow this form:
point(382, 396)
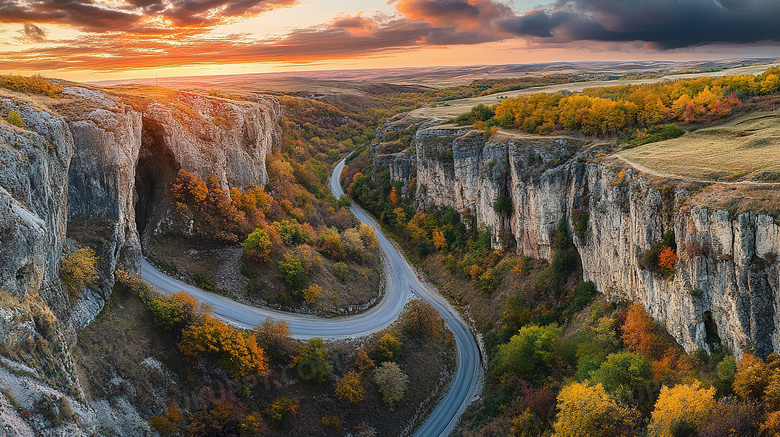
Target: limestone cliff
point(93, 168)
point(725, 283)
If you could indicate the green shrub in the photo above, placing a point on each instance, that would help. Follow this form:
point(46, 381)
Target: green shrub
point(292, 273)
point(503, 204)
point(528, 352)
point(341, 271)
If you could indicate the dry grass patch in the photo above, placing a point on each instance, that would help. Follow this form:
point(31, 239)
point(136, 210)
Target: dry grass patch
point(746, 148)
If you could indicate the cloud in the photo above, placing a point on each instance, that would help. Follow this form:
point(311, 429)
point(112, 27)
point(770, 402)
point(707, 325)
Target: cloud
point(661, 24)
point(127, 34)
point(34, 33)
point(134, 16)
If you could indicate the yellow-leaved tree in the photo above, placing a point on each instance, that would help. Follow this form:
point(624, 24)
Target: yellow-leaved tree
point(682, 410)
point(588, 410)
point(350, 388)
point(78, 270)
point(236, 352)
point(752, 378)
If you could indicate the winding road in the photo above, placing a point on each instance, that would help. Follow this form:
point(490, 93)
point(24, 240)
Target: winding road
point(402, 284)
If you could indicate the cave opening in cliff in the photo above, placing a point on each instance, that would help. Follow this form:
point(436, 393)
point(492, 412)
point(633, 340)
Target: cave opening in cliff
point(711, 330)
point(155, 171)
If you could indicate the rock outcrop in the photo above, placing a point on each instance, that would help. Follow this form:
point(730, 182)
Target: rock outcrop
point(725, 284)
point(76, 173)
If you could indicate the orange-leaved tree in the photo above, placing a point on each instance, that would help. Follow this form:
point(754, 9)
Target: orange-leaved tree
point(350, 388)
point(639, 333)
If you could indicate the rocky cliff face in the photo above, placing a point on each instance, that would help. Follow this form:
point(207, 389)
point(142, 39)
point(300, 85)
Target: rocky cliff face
point(76, 174)
point(725, 283)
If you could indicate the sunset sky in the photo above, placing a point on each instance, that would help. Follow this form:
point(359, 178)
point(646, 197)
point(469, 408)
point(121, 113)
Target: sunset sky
point(112, 39)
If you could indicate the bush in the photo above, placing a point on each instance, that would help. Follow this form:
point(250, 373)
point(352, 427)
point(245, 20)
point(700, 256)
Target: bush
point(503, 204)
point(15, 119)
point(350, 388)
point(528, 352)
point(283, 409)
point(422, 319)
point(341, 271)
point(31, 85)
point(392, 383)
point(315, 362)
point(79, 270)
point(389, 348)
point(292, 273)
point(174, 312)
point(623, 374)
point(585, 410)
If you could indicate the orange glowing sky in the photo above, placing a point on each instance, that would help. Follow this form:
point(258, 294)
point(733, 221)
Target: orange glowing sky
point(117, 39)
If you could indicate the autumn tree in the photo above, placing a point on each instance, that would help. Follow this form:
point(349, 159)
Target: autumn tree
point(350, 388)
point(752, 378)
point(587, 410)
point(259, 245)
point(639, 333)
point(78, 270)
point(189, 189)
point(394, 197)
point(175, 312)
point(283, 409)
point(681, 410)
point(392, 382)
point(368, 235)
point(311, 293)
point(363, 362)
point(667, 259)
point(274, 338)
point(388, 348)
point(353, 244)
point(330, 243)
point(422, 319)
point(439, 240)
point(236, 352)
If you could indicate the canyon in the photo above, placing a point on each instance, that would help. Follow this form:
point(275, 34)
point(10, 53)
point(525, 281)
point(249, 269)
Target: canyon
point(722, 292)
point(94, 167)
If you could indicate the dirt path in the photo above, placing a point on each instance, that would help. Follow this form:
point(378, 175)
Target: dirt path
point(643, 169)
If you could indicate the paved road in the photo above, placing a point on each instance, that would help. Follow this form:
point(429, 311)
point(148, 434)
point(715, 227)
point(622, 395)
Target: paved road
point(402, 283)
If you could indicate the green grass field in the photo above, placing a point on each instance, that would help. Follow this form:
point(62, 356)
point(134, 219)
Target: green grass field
point(747, 148)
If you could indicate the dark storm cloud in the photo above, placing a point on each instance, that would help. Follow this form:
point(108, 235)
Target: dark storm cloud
point(34, 33)
point(663, 24)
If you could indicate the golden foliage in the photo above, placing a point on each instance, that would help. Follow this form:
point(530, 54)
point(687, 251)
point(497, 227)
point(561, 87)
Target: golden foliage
point(439, 241)
point(236, 352)
point(681, 407)
point(585, 410)
point(752, 378)
point(350, 388)
point(30, 85)
point(311, 293)
point(363, 362)
point(79, 270)
point(283, 409)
